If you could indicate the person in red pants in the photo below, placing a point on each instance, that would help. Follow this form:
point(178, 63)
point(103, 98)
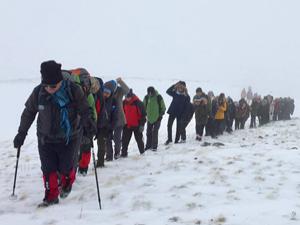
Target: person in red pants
point(63, 113)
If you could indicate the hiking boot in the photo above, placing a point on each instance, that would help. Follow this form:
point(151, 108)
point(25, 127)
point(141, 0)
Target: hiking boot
point(117, 156)
point(65, 191)
point(154, 149)
point(168, 142)
point(109, 159)
point(147, 148)
point(99, 164)
point(45, 203)
point(124, 155)
point(82, 171)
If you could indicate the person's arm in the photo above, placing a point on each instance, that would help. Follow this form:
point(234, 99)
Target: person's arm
point(124, 87)
point(171, 90)
point(142, 112)
point(83, 109)
point(162, 106)
point(30, 111)
point(27, 118)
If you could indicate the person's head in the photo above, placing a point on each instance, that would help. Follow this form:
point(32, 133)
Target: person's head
point(106, 92)
point(85, 82)
point(151, 91)
point(129, 95)
point(95, 85)
point(181, 88)
point(51, 76)
point(199, 91)
point(109, 88)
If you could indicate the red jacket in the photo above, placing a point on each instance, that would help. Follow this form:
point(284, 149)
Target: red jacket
point(135, 112)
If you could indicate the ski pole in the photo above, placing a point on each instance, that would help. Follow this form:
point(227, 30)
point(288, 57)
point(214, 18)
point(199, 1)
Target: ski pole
point(96, 176)
point(16, 172)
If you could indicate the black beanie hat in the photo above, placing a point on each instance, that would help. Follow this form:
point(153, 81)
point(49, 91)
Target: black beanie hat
point(198, 90)
point(51, 72)
point(130, 94)
point(150, 90)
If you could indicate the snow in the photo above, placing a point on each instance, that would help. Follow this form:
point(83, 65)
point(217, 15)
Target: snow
point(252, 179)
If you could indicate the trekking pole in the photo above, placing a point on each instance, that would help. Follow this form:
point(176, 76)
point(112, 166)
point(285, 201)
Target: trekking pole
point(96, 176)
point(13, 196)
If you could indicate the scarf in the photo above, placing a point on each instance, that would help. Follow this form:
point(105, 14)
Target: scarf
point(62, 99)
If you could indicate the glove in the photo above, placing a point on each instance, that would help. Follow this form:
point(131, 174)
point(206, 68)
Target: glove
point(19, 140)
point(159, 118)
point(141, 128)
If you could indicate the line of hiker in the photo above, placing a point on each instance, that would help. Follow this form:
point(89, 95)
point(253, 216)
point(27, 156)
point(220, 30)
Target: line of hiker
point(75, 108)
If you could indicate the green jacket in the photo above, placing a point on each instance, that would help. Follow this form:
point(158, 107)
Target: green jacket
point(155, 107)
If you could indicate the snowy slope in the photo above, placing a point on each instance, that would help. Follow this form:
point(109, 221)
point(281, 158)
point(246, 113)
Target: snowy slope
point(252, 179)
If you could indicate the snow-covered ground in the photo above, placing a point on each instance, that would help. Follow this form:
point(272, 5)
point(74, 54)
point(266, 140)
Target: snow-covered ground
point(252, 180)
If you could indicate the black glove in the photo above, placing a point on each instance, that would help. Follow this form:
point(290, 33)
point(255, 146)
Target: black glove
point(159, 118)
point(19, 140)
point(141, 128)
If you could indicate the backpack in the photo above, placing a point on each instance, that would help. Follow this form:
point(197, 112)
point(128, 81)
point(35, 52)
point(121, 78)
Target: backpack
point(159, 99)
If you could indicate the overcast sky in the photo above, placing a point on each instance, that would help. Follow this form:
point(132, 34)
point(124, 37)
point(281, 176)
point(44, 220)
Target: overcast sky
point(214, 39)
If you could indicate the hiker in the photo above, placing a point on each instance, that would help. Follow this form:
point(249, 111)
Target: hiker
point(220, 114)
point(254, 111)
point(242, 114)
point(200, 102)
point(82, 77)
point(249, 95)
point(230, 114)
point(107, 124)
point(63, 112)
point(155, 109)
point(135, 115)
point(179, 102)
point(120, 120)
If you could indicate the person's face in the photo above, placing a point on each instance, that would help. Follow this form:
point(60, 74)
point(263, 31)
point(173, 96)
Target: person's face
point(106, 95)
point(180, 88)
point(52, 88)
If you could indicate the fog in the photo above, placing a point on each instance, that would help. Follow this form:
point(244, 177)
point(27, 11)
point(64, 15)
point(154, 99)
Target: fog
point(236, 42)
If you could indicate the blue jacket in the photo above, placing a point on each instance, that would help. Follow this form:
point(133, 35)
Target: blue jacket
point(179, 102)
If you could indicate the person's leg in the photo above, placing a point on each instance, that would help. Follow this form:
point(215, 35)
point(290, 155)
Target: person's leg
point(49, 166)
point(66, 169)
point(101, 141)
point(149, 132)
point(139, 140)
point(85, 155)
point(170, 125)
point(118, 140)
point(155, 134)
point(127, 133)
point(178, 130)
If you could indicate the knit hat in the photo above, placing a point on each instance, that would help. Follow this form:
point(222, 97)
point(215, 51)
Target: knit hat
point(110, 86)
point(51, 72)
point(199, 90)
point(130, 94)
point(150, 90)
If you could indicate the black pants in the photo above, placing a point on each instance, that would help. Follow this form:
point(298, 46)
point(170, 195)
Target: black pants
point(170, 125)
point(152, 134)
point(58, 157)
point(200, 129)
point(253, 121)
point(210, 127)
point(116, 137)
point(127, 134)
point(102, 147)
point(180, 131)
point(219, 126)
